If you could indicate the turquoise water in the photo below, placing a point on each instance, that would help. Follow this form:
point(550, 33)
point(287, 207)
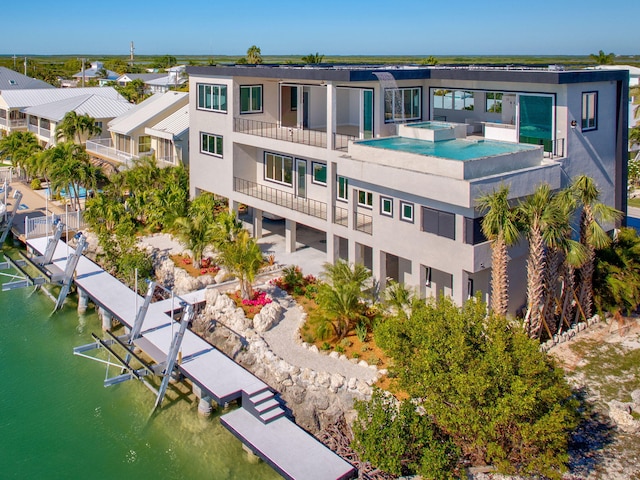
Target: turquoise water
point(57, 421)
point(431, 125)
point(456, 149)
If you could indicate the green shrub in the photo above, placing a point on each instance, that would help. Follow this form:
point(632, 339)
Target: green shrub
point(308, 337)
point(356, 355)
point(298, 291)
point(35, 184)
point(325, 346)
point(345, 342)
point(339, 349)
point(373, 360)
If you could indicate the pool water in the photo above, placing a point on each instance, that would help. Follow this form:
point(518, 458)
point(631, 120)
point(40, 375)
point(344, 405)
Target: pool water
point(455, 149)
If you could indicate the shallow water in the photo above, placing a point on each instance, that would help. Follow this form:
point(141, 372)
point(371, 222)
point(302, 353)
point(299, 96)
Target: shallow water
point(58, 421)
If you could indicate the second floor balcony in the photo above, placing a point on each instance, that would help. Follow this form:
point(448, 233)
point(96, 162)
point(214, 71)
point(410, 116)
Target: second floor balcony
point(315, 138)
point(104, 148)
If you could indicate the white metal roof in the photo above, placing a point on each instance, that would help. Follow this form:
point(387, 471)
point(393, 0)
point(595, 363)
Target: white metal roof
point(89, 104)
point(11, 80)
point(147, 112)
point(31, 97)
point(166, 81)
point(175, 125)
point(145, 77)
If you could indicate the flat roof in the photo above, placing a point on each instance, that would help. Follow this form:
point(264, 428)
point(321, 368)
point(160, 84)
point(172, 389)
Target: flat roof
point(365, 73)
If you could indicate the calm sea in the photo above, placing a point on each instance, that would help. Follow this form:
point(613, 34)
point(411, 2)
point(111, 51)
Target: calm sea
point(57, 421)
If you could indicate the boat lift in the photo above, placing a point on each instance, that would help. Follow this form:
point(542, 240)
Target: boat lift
point(122, 349)
point(7, 224)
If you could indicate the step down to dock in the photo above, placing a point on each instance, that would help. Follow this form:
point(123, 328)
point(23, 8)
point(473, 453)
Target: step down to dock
point(263, 405)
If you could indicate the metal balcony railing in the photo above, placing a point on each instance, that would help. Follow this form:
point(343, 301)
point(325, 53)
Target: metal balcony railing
point(341, 216)
point(307, 206)
point(363, 222)
point(104, 148)
point(315, 138)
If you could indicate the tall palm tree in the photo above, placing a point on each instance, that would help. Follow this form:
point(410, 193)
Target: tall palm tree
point(537, 215)
point(243, 258)
point(313, 59)
point(500, 227)
point(73, 127)
point(254, 55)
point(196, 233)
point(592, 235)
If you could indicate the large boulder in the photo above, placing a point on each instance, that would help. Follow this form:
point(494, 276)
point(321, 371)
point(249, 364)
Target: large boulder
point(269, 316)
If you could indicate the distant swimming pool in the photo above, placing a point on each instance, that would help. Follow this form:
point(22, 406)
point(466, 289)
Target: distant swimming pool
point(455, 149)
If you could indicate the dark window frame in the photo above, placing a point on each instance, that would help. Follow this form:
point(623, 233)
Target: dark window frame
point(212, 109)
point(384, 199)
point(403, 218)
point(217, 138)
point(251, 87)
point(313, 173)
point(583, 119)
point(439, 222)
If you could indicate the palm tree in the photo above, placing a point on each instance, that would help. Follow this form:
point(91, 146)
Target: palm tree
point(243, 258)
point(254, 55)
point(430, 60)
point(500, 228)
point(592, 235)
point(196, 233)
point(104, 213)
point(19, 147)
point(602, 58)
point(537, 214)
point(342, 295)
point(313, 59)
point(74, 126)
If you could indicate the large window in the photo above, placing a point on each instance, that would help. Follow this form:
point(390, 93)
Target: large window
point(212, 97)
point(251, 99)
point(278, 168)
point(473, 231)
point(144, 144)
point(589, 110)
point(402, 104)
point(211, 144)
point(453, 99)
point(343, 189)
point(493, 102)
point(319, 173)
point(438, 222)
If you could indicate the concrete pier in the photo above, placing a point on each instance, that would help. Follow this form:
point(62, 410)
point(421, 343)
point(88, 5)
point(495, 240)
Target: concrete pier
point(107, 320)
point(83, 301)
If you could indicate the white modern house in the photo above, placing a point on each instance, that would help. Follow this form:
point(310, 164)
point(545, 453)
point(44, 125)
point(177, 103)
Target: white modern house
point(157, 126)
point(386, 163)
point(173, 78)
point(95, 72)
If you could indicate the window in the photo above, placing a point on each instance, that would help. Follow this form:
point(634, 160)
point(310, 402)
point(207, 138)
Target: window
point(493, 102)
point(453, 99)
point(402, 104)
point(343, 188)
point(211, 144)
point(294, 98)
point(473, 231)
point(439, 223)
point(589, 110)
point(278, 168)
point(365, 199)
point(319, 173)
point(212, 97)
point(406, 212)
point(144, 144)
point(251, 99)
point(386, 206)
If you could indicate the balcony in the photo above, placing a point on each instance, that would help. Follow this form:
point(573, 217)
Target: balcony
point(315, 138)
point(341, 216)
point(103, 147)
point(281, 198)
point(363, 222)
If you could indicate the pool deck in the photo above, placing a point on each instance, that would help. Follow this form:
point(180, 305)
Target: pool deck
point(260, 423)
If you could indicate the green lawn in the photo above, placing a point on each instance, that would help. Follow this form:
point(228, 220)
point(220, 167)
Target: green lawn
point(634, 202)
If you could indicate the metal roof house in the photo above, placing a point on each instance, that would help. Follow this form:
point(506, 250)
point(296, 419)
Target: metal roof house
point(43, 119)
point(14, 102)
point(385, 163)
point(96, 72)
point(157, 126)
point(12, 80)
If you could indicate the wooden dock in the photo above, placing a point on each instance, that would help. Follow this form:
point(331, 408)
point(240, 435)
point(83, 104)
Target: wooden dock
point(260, 423)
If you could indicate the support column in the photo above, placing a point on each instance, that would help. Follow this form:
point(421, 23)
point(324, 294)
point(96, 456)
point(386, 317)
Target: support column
point(106, 319)
point(331, 191)
point(379, 267)
point(204, 403)
point(290, 236)
point(331, 114)
point(333, 247)
point(355, 255)
point(234, 206)
point(257, 223)
point(83, 301)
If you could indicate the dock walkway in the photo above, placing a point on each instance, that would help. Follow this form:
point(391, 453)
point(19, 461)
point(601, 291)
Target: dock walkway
point(260, 423)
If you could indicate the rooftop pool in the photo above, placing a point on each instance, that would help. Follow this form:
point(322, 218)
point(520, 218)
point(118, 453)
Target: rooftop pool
point(455, 149)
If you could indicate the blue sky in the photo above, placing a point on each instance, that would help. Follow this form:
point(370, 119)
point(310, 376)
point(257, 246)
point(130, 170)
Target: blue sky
point(331, 27)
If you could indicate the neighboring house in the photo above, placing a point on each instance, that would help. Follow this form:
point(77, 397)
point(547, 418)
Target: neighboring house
point(386, 163)
point(14, 102)
point(96, 72)
point(12, 80)
point(43, 119)
point(149, 128)
point(157, 82)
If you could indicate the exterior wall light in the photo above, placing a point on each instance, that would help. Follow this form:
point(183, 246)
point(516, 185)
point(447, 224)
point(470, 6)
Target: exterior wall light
point(573, 124)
